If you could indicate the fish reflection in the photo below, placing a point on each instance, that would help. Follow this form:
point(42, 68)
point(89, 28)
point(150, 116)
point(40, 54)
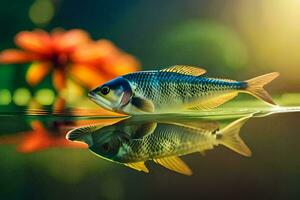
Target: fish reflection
point(133, 141)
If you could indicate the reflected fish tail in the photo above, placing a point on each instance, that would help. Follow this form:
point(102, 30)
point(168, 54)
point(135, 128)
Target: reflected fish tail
point(229, 137)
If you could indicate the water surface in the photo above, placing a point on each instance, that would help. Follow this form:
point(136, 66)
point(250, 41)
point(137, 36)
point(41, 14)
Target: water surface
point(37, 162)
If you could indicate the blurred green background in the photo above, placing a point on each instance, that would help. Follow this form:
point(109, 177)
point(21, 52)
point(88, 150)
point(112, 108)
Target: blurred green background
point(234, 39)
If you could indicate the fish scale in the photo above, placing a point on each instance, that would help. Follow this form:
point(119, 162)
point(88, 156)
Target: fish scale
point(135, 140)
point(165, 87)
point(167, 140)
point(175, 89)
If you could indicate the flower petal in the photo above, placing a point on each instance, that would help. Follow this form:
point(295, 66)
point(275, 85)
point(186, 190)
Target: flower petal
point(59, 104)
point(59, 79)
point(87, 76)
point(94, 53)
point(37, 41)
point(106, 58)
point(10, 56)
point(37, 71)
point(69, 40)
point(121, 65)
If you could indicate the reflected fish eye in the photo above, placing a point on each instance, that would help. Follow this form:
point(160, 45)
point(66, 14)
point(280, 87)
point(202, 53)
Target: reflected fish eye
point(105, 90)
point(105, 147)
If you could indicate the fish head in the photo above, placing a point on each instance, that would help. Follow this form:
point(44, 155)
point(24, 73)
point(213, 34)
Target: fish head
point(113, 95)
point(110, 144)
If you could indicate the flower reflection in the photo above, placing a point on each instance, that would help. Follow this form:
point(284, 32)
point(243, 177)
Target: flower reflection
point(45, 133)
point(49, 134)
point(68, 54)
point(42, 138)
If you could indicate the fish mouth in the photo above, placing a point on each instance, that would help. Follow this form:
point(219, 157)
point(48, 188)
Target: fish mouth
point(92, 96)
point(100, 100)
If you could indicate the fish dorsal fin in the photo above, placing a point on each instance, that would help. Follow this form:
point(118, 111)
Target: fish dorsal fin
point(143, 104)
point(140, 166)
point(210, 103)
point(144, 129)
point(174, 163)
point(187, 70)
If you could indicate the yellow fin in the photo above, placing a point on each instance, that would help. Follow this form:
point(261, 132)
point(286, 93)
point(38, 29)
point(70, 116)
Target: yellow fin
point(255, 86)
point(174, 163)
point(210, 103)
point(140, 166)
point(183, 69)
point(229, 137)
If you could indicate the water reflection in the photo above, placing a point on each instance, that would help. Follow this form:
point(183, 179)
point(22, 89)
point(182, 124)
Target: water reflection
point(274, 141)
point(161, 139)
point(36, 134)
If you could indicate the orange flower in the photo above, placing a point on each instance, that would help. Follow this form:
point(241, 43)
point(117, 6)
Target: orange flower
point(68, 53)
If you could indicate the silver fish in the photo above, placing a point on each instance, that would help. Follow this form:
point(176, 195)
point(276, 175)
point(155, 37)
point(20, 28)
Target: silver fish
point(174, 89)
point(133, 141)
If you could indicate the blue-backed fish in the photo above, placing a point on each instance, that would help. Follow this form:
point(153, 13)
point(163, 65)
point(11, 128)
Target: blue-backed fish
point(174, 89)
point(133, 141)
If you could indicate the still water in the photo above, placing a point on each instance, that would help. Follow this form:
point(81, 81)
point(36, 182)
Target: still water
point(38, 162)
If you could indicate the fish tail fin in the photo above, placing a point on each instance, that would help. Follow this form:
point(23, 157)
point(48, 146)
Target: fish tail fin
point(255, 87)
point(229, 137)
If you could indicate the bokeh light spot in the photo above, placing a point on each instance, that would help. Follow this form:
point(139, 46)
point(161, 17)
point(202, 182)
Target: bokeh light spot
point(21, 96)
point(45, 96)
point(41, 12)
point(5, 97)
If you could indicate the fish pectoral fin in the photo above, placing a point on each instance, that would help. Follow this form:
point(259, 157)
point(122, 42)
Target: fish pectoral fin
point(143, 104)
point(140, 166)
point(144, 129)
point(229, 137)
point(210, 103)
point(187, 70)
point(174, 163)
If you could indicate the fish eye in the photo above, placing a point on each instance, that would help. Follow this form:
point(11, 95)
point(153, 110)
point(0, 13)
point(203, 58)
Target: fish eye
point(105, 90)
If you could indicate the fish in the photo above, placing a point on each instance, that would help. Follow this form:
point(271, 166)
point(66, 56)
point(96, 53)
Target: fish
point(175, 89)
point(134, 141)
